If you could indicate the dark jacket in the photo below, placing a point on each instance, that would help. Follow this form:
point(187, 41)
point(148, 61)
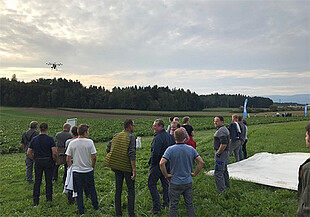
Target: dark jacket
point(234, 133)
point(303, 193)
point(162, 140)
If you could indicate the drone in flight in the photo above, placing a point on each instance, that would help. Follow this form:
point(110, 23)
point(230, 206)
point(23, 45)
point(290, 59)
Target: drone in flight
point(54, 65)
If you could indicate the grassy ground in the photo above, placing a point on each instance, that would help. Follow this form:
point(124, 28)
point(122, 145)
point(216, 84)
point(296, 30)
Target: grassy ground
point(243, 199)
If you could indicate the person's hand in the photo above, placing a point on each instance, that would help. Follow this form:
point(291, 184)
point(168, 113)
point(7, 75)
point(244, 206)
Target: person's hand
point(134, 174)
point(168, 177)
point(193, 174)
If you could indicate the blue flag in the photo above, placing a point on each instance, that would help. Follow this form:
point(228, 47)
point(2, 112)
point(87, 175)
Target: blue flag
point(244, 108)
point(306, 107)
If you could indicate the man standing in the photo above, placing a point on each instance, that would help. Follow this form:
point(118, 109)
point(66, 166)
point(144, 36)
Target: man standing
point(83, 152)
point(235, 131)
point(221, 147)
point(181, 158)
point(61, 138)
point(26, 138)
point(159, 145)
point(45, 152)
point(121, 158)
point(303, 193)
point(242, 137)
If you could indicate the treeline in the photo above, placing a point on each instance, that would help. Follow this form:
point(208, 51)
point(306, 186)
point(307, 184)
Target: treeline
point(52, 93)
point(234, 101)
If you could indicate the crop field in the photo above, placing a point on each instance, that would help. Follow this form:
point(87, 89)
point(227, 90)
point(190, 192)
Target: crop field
point(210, 112)
point(275, 135)
point(14, 123)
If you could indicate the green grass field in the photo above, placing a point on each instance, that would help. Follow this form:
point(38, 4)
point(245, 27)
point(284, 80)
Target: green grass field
point(243, 199)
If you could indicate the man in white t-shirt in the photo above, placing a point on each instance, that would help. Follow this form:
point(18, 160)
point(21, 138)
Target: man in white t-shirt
point(83, 152)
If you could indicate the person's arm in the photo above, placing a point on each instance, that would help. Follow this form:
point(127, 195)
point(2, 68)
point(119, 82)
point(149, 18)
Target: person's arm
point(22, 142)
point(199, 166)
point(109, 147)
point(155, 155)
point(162, 165)
point(133, 167)
point(193, 133)
point(132, 155)
point(69, 162)
point(93, 160)
point(54, 153)
point(29, 153)
point(132, 148)
point(110, 144)
point(221, 149)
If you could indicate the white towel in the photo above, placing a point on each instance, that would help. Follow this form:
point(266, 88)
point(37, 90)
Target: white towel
point(69, 182)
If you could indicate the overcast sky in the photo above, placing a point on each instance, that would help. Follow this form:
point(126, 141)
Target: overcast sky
point(250, 47)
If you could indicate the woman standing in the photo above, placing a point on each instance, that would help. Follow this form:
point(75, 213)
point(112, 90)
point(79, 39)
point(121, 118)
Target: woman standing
point(190, 130)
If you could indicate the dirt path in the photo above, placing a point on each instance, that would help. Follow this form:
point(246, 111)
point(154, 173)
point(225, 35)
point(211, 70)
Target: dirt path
point(71, 114)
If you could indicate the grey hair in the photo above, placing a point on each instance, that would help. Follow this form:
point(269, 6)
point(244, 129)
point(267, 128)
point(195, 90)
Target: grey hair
point(160, 122)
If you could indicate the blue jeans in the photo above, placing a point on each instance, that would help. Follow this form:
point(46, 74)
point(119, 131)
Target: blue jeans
point(154, 175)
point(43, 165)
point(79, 180)
point(119, 179)
point(174, 195)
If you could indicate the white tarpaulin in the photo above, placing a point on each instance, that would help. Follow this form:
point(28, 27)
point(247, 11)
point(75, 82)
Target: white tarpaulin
point(278, 170)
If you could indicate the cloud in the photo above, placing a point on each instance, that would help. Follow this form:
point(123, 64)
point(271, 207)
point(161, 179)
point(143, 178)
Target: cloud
point(192, 44)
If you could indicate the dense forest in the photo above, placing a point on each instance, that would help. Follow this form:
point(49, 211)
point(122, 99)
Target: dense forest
point(52, 93)
point(234, 101)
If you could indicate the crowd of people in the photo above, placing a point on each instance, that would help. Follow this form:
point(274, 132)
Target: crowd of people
point(172, 157)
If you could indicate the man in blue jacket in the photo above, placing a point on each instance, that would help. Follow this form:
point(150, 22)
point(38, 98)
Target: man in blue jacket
point(162, 140)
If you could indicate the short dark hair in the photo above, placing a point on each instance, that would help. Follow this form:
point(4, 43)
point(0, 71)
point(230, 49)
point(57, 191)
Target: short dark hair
point(160, 122)
point(171, 118)
point(74, 131)
point(244, 122)
point(43, 126)
point(82, 128)
point(239, 118)
point(33, 125)
point(220, 117)
point(128, 123)
point(308, 128)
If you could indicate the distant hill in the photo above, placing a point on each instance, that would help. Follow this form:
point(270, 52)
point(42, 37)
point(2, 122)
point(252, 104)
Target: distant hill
point(298, 98)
